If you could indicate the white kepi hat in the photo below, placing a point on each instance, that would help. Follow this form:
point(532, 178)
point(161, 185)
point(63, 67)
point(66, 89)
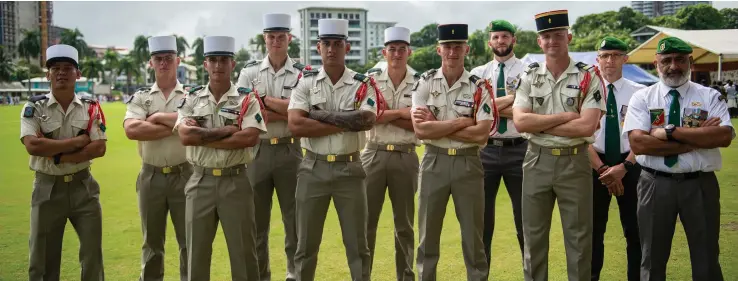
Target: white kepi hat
point(396, 34)
point(277, 22)
point(162, 44)
point(219, 46)
point(332, 28)
point(62, 53)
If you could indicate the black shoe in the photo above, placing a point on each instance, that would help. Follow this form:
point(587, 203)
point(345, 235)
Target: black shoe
point(290, 279)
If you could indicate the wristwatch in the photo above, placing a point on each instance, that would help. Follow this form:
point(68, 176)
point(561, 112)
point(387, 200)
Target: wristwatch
point(669, 131)
point(628, 164)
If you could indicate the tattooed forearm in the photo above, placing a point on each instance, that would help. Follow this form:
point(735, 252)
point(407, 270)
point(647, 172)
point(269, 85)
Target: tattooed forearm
point(206, 135)
point(354, 121)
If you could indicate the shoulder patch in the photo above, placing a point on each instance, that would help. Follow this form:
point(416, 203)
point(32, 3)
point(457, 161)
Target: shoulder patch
point(474, 79)
point(361, 77)
point(722, 98)
point(28, 111)
point(417, 75)
point(37, 98)
point(533, 65)
point(251, 63)
point(196, 89)
point(583, 66)
point(299, 66)
point(88, 100)
point(142, 89)
point(244, 90)
point(308, 73)
point(375, 71)
point(428, 74)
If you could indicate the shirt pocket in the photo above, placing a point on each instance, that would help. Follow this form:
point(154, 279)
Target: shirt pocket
point(406, 100)
point(464, 108)
point(438, 106)
point(229, 115)
point(79, 126)
point(541, 100)
point(50, 128)
point(570, 99)
point(203, 116)
point(317, 101)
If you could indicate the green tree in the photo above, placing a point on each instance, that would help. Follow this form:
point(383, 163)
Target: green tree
point(141, 53)
point(110, 62)
point(182, 45)
point(293, 50)
point(479, 54)
point(589, 30)
point(7, 68)
point(700, 17)
point(127, 65)
point(33, 69)
point(75, 38)
point(241, 57)
point(22, 73)
point(259, 43)
point(30, 46)
point(427, 36)
point(526, 42)
point(667, 21)
point(91, 67)
point(730, 18)
point(425, 58)
point(199, 57)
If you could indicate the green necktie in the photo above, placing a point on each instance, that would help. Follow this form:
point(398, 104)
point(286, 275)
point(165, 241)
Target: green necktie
point(670, 161)
point(502, 127)
point(612, 129)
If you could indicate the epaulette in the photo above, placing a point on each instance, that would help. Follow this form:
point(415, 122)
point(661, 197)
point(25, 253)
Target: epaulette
point(196, 89)
point(417, 76)
point(251, 63)
point(299, 66)
point(244, 90)
point(142, 89)
point(474, 79)
point(361, 77)
point(308, 73)
point(531, 67)
point(428, 74)
point(583, 66)
point(374, 71)
point(37, 98)
point(88, 100)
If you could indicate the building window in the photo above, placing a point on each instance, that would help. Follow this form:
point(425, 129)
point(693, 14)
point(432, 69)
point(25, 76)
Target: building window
point(345, 16)
point(357, 16)
point(339, 15)
point(324, 15)
point(351, 16)
point(371, 32)
point(312, 15)
point(330, 16)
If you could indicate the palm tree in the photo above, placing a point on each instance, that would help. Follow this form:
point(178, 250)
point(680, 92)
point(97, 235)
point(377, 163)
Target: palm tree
point(30, 46)
point(110, 61)
point(22, 73)
point(293, 50)
point(141, 53)
point(259, 42)
point(128, 66)
point(6, 65)
point(91, 67)
point(182, 45)
point(74, 38)
point(199, 57)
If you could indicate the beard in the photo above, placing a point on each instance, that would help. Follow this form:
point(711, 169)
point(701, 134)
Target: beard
point(505, 52)
point(675, 80)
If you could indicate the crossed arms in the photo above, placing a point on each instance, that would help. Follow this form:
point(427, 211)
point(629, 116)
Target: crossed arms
point(318, 123)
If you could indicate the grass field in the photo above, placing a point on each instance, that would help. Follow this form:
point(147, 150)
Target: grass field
point(116, 173)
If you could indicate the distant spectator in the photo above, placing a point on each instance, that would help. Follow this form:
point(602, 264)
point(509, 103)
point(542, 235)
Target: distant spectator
point(732, 95)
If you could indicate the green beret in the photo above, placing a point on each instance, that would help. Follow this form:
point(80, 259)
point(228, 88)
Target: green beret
point(501, 25)
point(612, 43)
point(670, 45)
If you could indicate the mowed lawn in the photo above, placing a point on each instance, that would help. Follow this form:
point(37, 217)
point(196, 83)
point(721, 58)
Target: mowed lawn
point(117, 171)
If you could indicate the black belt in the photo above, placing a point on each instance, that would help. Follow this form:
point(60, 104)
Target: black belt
point(352, 157)
point(275, 141)
point(407, 148)
point(676, 176)
point(222, 172)
point(469, 151)
point(166, 169)
point(502, 142)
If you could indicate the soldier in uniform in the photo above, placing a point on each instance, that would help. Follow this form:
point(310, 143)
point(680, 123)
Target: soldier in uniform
point(613, 163)
point(279, 154)
point(676, 128)
point(453, 117)
point(329, 109)
point(220, 124)
point(389, 160)
point(62, 133)
point(558, 105)
point(502, 158)
point(149, 119)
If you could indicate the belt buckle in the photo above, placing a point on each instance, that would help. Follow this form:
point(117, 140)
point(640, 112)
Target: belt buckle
point(292, 140)
point(390, 147)
point(330, 158)
point(574, 151)
point(217, 172)
point(679, 177)
point(498, 143)
point(166, 170)
point(452, 151)
point(351, 158)
point(274, 140)
point(68, 178)
point(556, 151)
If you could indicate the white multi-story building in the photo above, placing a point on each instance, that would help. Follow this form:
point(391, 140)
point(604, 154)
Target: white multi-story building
point(654, 9)
point(376, 32)
point(357, 36)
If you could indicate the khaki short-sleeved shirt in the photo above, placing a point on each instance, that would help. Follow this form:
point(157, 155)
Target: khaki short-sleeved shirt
point(451, 102)
point(396, 99)
point(168, 151)
point(316, 91)
point(260, 76)
point(542, 94)
point(50, 120)
point(202, 106)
